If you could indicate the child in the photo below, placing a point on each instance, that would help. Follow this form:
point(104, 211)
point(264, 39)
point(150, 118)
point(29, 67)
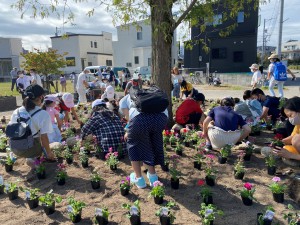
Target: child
point(66, 105)
point(49, 104)
point(63, 83)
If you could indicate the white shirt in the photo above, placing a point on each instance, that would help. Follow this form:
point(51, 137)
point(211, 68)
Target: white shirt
point(41, 121)
point(81, 78)
point(175, 78)
point(35, 78)
point(25, 80)
point(256, 77)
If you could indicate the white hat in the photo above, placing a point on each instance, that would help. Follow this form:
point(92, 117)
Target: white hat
point(51, 98)
point(110, 92)
point(274, 56)
point(254, 66)
point(98, 102)
point(68, 100)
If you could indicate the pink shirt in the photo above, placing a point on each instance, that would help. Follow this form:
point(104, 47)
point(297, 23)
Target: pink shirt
point(52, 112)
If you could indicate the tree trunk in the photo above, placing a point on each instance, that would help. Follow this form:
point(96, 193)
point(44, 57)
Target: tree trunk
point(162, 36)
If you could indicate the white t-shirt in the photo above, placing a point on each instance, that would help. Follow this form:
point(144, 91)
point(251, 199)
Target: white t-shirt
point(41, 121)
point(256, 77)
point(35, 78)
point(175, 78)
point(25, 80)
point(81, 78)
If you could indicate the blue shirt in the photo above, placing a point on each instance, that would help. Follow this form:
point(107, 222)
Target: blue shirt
point(272, 103)
point(226, 119)
point(255, 106)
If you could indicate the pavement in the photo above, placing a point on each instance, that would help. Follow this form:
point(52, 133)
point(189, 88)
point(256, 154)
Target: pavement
point(291, 89)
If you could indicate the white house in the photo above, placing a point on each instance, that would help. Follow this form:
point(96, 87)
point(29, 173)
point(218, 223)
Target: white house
point(84, 50)
point(291, 49)
point(10, 50)
point(133, 48)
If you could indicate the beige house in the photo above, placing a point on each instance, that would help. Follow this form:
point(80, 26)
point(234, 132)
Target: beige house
point(84, 50)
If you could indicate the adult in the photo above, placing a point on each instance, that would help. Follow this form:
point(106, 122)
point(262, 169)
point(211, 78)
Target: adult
point(35, 78)
point(106, 126)
point(269, 104)
point(242, 108)
point(81, 87)
point(22, 83)
point(39, 123)
point(256, 77)
point(14, 76)
point(144, 140)
point(253, 104)
point(63, 83)
point(133, 82)
point(124, 78)
point(190, 112)
point(291, 150)
point(75, 79)
point(187, 89)
point(175, 77)
point(223, 126)
point(112, 76)
point(66, 105)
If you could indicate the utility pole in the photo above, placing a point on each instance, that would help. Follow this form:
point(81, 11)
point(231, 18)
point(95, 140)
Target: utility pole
point(280, 29)
point(264, 44)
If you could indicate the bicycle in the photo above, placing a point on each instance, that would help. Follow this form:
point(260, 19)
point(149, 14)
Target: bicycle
point(195, 79)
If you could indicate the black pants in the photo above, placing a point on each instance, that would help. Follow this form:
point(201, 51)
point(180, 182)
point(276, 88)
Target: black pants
point(13, 83)
point(186, 93)
point(194, 118)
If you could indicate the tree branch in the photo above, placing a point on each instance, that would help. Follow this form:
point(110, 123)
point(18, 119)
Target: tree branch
point(184, 14)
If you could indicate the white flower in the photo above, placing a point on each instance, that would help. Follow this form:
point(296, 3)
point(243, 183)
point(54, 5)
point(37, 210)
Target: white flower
point(27, 194)
point(69, 209)
point(98, 212)
point(208, 212)
point(269, 215)
point(164, 211)
point(134, 210)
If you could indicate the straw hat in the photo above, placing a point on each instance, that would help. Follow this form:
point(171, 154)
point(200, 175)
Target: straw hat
point(274, 56)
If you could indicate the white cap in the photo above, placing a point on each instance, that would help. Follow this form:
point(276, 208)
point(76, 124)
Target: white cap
point(98, 102)
point(254, 66)
point(110, 92)
point(68, 100)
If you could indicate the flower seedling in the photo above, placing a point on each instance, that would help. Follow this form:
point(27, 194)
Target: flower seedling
point(293, 216)
point(209, 213)
point(270, 160)
point(158, 189)
point(95, 177)
point(132, 209)
point(111, 158)
point(31, 194)
point(209, 170)
point(165, 211)
point(49, 198)
point(248, 191)
point(39, 165)
point(125, 184)
point(276, 187)
point(267, 215)
point(61, 173)
point(226, 151)
point(74, 208)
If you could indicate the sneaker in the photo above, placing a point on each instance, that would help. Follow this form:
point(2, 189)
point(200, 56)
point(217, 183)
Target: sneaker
point(152, 178)
point(207, 148)
point(139, 182)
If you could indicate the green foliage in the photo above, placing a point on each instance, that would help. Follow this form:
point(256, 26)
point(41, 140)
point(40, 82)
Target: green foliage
point(167, 209)
point(270, 160)
point(77, 207)
point(10, 187)
point(136, 205)
point(293, 216)
point(261, 217)
point(33, 193)
point(68, 154)
point(95, 176)
point(226, 151)
point(47, 62)
point(158, 190)
point(49, 198)
point(105, 212)
point(209, 213)
point(83, 157)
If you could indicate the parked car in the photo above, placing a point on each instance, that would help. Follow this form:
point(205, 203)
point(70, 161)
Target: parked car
point(95, 69)
point(118, 71)
point(145, 71)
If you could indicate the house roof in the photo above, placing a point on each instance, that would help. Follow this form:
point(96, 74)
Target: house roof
point(72, 34)
point(97, 53)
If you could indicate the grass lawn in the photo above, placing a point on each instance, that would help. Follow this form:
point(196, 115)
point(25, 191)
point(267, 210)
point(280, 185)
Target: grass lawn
point(5, 89)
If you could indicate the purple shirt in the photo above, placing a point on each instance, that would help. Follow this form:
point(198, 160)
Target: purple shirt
point(226, 119)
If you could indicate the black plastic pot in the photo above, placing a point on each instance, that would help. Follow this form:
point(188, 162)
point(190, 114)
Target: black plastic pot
point(1, 189)
point(124, 191)
point(247, 201)
point(271, 170)
point(61, 181)
point(69, 160)
point(113, 167)
point(173, 145)
point(101, 155)
point(8, 168)
point(135, 220)
point(33, 203)
point(208, 200)
point(95, 184)
point(76, 218)
point(41, 175)
point(13, 195)
point(49, 209)
point(266, 221)
point(247, 157)
point(278, 197)
point(187, 144)
point(197, 165)
point(158, 200)
point(85, 164)
point(269, 127)
point(209, 181)
point(174, 183)
point(165, 167)
point(60, 159)
point(222, 160)
point(179, 152)
point(101, 220)
point(239, 176)
point(164, 220)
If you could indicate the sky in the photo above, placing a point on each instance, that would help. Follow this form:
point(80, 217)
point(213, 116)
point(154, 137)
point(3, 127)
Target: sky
point(36, 32)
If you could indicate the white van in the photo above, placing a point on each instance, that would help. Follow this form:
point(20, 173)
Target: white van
point(145, 71)
point(94, 69)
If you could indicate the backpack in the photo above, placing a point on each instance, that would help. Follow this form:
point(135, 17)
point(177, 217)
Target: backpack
point(20, 136)
point(279, 72)
point(152, 100)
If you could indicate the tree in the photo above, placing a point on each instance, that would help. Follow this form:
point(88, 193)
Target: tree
point(164, 15)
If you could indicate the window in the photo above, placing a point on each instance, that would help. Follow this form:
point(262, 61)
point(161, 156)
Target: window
point(238, 56)
point(149, 61)
point(219, 53)
point(139, 33)
point(95, 44)
point(91, 44)
point(136, 60)
point(108, 62)
point(217, 19)
point(240, 17)
point(70, 61)
point(128, 64)
point(90, 63)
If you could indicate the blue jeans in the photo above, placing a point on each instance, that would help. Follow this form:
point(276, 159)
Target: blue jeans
point(176, 90)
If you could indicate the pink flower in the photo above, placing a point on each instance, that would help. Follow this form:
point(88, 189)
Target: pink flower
point(128, 179)
point(110, 149)
point(116, 154)
point(107, 155)
point(276, 179)
point(157, 183)
point(210, 156)
point(248, 186)
point(64, 143)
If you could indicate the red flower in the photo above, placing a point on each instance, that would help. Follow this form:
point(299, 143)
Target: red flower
point(248, 186)
point(185, 130)
point(200, 182)
point(278, 136)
